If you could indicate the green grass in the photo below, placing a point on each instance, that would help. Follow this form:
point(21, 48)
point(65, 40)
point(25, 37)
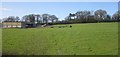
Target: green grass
point(81, 39)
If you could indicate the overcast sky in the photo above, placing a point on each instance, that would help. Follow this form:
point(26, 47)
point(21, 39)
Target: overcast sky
point(60, 9)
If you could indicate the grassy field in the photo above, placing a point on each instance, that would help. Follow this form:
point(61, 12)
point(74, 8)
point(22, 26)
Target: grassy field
point(81, 39)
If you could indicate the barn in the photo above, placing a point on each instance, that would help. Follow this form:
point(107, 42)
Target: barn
point(13, 25)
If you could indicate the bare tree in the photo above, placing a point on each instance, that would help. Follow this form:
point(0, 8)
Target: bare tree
point(11, 19)
point(38, 18)
point(53, 18)
point(100, 15)
point(45, 18)
point(29, 18)
point(116, 16)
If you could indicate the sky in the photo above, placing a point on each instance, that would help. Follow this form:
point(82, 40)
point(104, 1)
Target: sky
point(59, 0)
point(60, 9)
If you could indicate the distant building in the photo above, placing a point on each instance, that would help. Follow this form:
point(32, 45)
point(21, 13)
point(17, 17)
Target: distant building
point(13, 25)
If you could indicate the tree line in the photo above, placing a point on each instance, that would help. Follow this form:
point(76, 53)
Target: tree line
point(78, 17)
point(33, 18)
point(90, 17)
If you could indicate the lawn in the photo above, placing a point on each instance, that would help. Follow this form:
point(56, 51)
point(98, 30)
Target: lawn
point(81, 39)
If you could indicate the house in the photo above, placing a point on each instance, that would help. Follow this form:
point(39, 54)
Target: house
point(13, 25)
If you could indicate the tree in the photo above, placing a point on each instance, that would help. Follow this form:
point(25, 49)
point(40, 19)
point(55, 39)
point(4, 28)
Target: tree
point(4, 19)
point(78, 14)
point(53, 18)
point(116, 16)
point(82, 15)
point(29, 18)
point(91, 19)
point(17, 19)
point(45, 17)
point(86, 14)
point(107, 18)
point(100, 15)
point(71, 15)
point(38, 18)
point(11, 19)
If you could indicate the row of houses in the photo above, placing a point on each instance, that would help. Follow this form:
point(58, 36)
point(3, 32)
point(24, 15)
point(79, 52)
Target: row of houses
point(17, 25)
